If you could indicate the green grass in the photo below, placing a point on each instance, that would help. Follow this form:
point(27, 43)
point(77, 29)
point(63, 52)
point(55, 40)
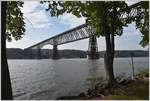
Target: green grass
point(138, 90)
point(144, 72)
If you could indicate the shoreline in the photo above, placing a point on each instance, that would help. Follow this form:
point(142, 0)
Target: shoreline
point(141, 84)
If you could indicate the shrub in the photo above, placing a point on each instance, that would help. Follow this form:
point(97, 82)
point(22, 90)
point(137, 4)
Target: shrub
point(143, 72)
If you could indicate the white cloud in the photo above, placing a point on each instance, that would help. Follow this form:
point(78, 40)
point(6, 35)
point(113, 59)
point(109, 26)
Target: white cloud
point(35, 13)
point(131, 30)
point(23, 43)
point(131, 2)
point(29, 6)
point(39, 19)
point(71, 20)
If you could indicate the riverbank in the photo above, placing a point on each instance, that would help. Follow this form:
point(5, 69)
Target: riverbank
point(137, 90)
point(134, 90)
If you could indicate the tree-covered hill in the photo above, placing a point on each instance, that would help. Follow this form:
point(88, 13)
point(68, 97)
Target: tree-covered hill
point(16, 53)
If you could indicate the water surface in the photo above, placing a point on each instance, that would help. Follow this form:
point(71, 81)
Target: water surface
point(47, 79)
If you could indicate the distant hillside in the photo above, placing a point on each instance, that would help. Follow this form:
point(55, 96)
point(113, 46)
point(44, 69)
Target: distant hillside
point(16, 53)
point(127, 53)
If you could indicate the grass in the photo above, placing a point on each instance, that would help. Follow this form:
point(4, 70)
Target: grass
point(143, 72)
point(135, 90)
point(138, 90)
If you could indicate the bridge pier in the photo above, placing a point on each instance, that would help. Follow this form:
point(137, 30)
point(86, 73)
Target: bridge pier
point(93, 48)
point(55, 52)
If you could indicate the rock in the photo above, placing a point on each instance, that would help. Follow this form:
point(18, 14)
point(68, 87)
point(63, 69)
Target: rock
point(82, 95)
point(101, 86)
point(125, 81)
point(106, 92)
point(101, 95)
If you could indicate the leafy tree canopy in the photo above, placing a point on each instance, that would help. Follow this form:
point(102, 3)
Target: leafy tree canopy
point(96, 11)
point(14, 20)
point(142, 22)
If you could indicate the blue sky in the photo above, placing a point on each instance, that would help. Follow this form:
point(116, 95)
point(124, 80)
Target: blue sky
point(40, 26)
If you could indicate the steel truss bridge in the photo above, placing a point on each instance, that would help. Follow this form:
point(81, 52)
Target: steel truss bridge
point(78, 33)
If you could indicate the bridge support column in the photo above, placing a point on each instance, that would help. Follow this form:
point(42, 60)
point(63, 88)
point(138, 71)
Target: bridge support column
point(55, 52)
point(93, 48)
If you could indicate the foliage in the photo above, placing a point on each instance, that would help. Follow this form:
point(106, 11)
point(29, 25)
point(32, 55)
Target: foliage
point(12, 26)
point(95, 12)
point(143, 72)
point(142, 22)
point(14, 20)
point(137, 90)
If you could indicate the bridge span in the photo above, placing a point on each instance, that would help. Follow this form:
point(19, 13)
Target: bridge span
point(78, 33)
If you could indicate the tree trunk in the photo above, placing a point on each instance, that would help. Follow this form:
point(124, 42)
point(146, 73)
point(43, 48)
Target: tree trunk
point(109, 54)
point(6, 83)
point(109, 32)
point(108, 59)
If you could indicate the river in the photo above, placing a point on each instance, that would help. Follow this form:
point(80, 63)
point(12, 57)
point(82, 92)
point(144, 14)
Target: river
point(48, 79)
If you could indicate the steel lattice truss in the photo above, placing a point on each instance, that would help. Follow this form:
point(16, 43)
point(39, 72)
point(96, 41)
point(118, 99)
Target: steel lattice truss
point(81, 32)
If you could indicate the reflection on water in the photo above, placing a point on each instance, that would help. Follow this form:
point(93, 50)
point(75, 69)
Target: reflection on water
point(93, 68)
point(50, 79)
point(93, 73)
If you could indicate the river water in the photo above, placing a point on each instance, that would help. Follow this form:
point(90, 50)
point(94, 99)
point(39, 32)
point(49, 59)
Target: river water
point(48, 79)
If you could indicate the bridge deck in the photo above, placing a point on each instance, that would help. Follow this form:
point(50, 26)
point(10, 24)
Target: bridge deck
point(80, 32)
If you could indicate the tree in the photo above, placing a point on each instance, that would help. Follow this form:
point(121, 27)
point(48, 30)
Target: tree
point(103, 16)
point(142, 21)
point(12, 26)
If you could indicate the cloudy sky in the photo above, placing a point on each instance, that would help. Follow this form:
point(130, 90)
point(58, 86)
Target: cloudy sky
point(40, 26)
